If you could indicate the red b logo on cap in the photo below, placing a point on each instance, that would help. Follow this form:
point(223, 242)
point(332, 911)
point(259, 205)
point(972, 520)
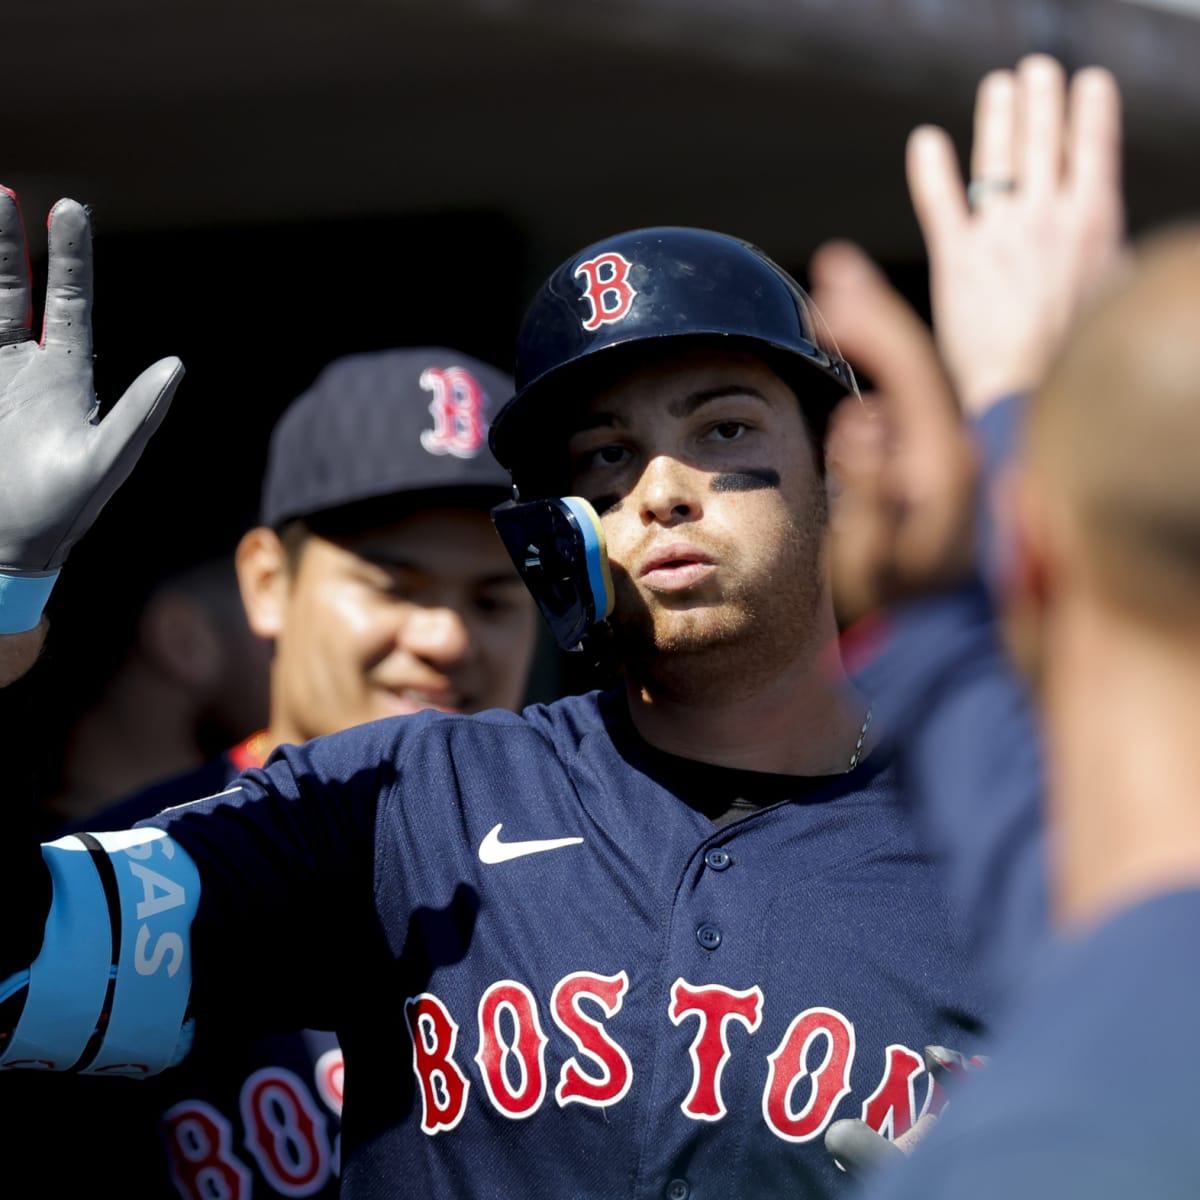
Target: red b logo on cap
point(457, 407)
point(607, 288)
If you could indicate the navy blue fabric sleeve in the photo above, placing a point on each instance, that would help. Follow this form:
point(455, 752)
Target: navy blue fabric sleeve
point(967, 743)
point(1090, 1090)
point(996, 434)
point(287, 927)
point(969, 757)
point(998, 431)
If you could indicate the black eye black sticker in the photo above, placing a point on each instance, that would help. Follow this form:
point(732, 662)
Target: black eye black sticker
point(749, 479)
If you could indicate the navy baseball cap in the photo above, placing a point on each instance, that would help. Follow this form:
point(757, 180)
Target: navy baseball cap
point(383, 433)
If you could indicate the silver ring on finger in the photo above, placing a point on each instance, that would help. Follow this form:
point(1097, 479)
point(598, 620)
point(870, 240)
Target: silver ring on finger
point(979, 190)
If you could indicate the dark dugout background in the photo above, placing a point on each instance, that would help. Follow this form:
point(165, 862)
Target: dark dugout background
point(273, 188)
point(254, 312)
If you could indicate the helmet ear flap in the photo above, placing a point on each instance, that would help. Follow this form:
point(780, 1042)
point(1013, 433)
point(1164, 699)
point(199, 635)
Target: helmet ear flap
point(558, 548)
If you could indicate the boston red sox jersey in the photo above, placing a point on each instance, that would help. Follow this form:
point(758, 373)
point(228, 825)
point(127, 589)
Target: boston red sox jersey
point(551, 974)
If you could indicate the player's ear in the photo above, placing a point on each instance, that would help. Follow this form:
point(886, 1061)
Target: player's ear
point(264, 579)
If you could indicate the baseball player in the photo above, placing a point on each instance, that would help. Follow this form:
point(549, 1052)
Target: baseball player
point(377, 577)
point(646, 941)
point(375, 572)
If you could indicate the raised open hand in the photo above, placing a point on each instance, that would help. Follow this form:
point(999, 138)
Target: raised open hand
point(1015, 254)
point(59, 463)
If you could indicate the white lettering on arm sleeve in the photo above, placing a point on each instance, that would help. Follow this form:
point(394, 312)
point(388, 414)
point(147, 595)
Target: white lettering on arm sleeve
point(108, 993)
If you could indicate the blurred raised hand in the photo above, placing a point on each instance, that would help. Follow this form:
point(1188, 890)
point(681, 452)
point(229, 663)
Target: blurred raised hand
point(59, 462)
point(904, 467)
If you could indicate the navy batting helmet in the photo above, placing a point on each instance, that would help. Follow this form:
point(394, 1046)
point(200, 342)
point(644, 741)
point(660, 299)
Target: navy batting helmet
point(623, 297)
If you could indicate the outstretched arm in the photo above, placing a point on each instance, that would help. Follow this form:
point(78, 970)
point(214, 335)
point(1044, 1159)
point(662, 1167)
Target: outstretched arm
point(59, 462)
point(962, 728)
point(1009, 270)
point(1013, 258)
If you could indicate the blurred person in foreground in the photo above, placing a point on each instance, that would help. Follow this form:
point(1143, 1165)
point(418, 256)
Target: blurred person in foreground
point(378, 581)
point(1081, 569)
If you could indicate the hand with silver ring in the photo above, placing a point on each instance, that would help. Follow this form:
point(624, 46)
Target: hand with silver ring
point(1013, 255)
point(979, 190)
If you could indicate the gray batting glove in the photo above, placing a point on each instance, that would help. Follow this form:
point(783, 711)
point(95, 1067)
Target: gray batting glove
point(59, 463)
point(859, 1150)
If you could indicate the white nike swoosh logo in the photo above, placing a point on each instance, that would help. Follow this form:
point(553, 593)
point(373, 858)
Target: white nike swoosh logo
point(493, 850)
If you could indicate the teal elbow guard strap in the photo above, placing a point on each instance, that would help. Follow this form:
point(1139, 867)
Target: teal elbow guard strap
point(108, 993)
point(22, 599)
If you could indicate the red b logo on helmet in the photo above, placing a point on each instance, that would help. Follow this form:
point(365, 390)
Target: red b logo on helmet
point(457, 407)
point(606, 288)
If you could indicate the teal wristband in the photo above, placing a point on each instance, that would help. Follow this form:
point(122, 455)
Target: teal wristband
point(22, 599)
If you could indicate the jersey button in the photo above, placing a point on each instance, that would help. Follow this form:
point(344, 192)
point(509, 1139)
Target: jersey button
point(709, 936)
point(718, 858)
point(678, 1189)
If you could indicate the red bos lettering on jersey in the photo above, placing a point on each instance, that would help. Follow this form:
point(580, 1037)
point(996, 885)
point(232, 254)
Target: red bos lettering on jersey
point(713, 1007)
point(615, 1072)
point(808, 1072)
point(284, 1131)
point(457, 406)
point(444, 1088)
point(606, 288)
point(200, 1151)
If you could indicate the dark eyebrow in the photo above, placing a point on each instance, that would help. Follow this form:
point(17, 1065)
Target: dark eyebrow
point(684, 406)
point(591, 421)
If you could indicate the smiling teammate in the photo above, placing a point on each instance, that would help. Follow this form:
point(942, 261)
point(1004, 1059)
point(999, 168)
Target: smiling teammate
point(375, 571)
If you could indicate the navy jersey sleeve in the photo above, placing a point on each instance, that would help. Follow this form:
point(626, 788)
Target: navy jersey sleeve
point(286, 920)
point(967, 743)
point(996, 435)
point(969, 757)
